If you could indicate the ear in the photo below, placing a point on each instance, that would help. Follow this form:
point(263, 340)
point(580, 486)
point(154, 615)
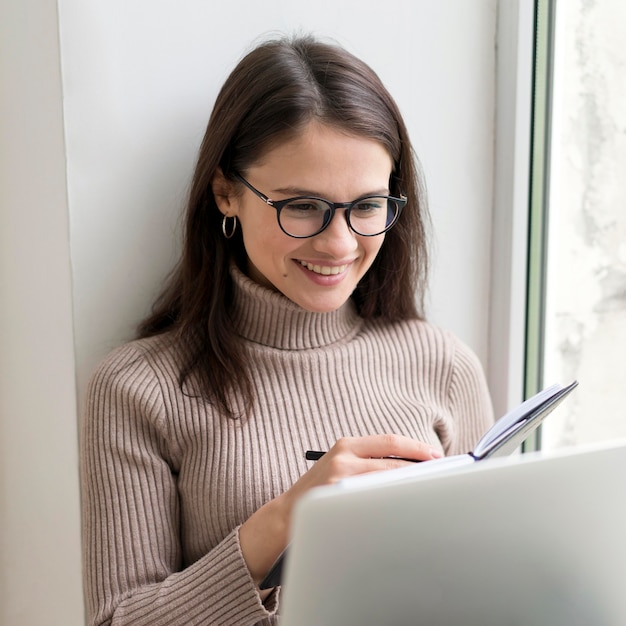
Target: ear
point(224, 193)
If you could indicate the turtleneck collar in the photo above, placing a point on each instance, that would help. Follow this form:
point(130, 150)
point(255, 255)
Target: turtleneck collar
point(269, 318)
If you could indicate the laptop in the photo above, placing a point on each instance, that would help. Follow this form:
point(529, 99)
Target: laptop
point(502, 438)
point(521, 540)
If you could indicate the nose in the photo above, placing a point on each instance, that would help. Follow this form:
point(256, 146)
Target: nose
point(337, 239)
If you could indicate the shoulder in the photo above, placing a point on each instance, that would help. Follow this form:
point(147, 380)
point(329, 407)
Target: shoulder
point(133, 389)
point(446, 348)
point(138, 364)
point(437, 352)
point(415, 334)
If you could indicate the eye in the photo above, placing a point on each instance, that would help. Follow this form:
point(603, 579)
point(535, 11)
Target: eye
point(305, 207)
point(369, 206)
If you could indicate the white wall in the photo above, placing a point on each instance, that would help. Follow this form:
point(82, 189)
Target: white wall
point(133, 90)
point(138, 88)
point(40, 577)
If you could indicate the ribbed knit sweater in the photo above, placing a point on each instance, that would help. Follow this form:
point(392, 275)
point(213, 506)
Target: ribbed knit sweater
point(167, 479)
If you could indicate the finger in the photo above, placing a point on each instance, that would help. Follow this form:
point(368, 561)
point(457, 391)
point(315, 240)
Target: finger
point(389, 445)
point(339, 471)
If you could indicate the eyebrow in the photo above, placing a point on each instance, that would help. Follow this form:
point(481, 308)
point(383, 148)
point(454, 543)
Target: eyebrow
point(298, 191)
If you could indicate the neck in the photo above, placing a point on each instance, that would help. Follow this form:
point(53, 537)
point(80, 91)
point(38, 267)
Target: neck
point(267, 317)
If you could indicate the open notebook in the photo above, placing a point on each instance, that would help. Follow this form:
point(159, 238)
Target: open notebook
point(505, 436)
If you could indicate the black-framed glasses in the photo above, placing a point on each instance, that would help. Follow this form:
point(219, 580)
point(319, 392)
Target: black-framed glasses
point(305, 216)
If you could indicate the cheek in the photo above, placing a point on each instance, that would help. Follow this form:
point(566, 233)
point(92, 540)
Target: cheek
point(265, 243)
point(259, 228)
point(372, 246)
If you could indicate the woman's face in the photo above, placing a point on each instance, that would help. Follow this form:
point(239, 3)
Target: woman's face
point(321, 272)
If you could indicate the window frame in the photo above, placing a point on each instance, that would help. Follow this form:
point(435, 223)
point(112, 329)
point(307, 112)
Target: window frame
point(506, 371)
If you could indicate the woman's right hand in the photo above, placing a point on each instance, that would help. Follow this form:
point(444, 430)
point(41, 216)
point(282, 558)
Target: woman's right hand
point(359, 455)
point(265, 534)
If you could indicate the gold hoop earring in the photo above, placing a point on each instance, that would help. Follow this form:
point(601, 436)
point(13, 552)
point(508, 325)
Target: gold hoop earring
point(228, 234)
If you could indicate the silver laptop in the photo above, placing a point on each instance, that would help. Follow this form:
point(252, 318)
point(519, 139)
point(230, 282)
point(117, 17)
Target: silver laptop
point(525, 540)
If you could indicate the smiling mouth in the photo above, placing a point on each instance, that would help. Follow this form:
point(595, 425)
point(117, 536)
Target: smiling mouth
point(324, 270)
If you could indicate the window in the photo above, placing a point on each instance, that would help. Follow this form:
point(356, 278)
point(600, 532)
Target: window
point(577, 269)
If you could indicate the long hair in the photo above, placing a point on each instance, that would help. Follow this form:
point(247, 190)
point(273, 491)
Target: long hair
point(270, 96)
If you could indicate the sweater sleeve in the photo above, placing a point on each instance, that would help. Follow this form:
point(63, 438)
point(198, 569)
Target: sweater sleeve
point(131, 516)
point(469, 401)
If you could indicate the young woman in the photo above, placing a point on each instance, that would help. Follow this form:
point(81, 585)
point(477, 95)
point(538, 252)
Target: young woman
point(292, 322)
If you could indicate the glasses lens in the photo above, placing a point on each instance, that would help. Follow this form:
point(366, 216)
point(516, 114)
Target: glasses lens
point(372, 216)
point(304, 217)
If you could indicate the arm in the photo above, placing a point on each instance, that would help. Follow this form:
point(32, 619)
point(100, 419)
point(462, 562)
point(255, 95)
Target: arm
point(133, 556)
point(349, 456)
point(132, 551)
point(469, 402)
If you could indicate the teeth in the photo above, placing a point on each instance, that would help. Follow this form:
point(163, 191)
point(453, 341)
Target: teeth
point(325, 270)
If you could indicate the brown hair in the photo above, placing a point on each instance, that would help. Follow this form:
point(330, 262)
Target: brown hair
point(274, 91)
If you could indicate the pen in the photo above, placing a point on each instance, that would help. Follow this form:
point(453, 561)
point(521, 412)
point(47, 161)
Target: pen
point(314, 455)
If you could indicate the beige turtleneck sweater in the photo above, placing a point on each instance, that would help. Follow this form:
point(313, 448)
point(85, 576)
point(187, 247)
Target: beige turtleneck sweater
point(167, 480)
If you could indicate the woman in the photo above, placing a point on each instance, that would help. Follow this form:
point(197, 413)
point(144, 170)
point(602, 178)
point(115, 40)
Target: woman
point(289, 324)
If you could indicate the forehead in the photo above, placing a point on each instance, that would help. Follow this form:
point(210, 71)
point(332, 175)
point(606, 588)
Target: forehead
point(324, 157)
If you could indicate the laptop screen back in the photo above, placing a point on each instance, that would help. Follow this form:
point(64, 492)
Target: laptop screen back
point(537, 539)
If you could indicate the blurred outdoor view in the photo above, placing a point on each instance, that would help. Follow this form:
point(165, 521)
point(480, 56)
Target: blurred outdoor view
point(586, 306)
